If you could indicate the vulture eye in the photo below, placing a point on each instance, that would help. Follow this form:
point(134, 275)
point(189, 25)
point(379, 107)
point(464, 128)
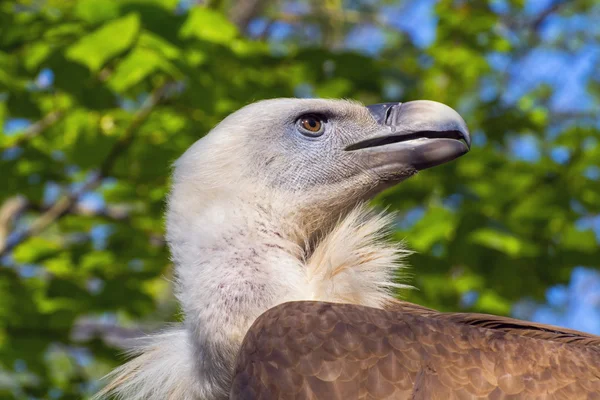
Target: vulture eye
point(311, 125)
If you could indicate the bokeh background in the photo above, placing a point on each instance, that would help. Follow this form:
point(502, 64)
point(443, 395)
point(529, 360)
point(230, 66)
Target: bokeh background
point(99, 97)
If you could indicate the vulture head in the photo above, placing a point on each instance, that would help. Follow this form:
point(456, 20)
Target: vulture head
point(309, 161)
point(322, 156)
point(263, 210)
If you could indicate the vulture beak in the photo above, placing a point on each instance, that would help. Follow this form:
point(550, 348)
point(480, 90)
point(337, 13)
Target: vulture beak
point(413, 136)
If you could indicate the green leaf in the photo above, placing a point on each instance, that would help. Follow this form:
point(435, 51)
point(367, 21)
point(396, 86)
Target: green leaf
point(503, 242)
point(34, 249)
point(139, 64)
point(3, 114)
point(154, 42)
point(95, 11)
point(95, 49)
point(580, 240)
point(61, 266)
point(36, 54)
point(468, 281)
point(96, 261)
point(64, 31)
point(335, 88)
point(436, 226)
point(136, 66)
point(491, 302)
point(209, 25)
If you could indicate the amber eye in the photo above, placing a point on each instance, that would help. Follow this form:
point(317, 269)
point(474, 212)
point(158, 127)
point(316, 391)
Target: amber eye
point(311, 125)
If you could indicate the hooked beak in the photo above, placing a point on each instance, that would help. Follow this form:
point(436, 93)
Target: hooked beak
point(413, 136)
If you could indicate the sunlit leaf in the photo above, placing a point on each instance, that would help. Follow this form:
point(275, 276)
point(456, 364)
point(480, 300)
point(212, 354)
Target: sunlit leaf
point(436, 226)
point(150, 41)
point(577, 239)
point(95, 11)
point(96, 48)
point(503, 242)
point(136, 66)
point(209, 25)
point(36, 54)
point(493, 303)
point(35, 249)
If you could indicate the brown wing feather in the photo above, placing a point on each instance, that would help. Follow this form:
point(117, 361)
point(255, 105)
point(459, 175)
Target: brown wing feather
point(315, 350)
point(505, 324)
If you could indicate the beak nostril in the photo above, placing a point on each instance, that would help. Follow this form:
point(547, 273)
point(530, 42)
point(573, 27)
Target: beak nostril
point(388, 113)
point(381, 112)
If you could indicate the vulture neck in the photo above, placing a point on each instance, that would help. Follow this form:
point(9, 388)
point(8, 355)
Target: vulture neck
point(236, 260)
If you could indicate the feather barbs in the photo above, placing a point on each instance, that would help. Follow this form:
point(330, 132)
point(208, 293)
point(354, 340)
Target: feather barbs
point(355, 262)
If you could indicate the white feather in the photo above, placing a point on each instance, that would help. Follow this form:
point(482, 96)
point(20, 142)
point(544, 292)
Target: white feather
point(242, 246)
point(353, 263)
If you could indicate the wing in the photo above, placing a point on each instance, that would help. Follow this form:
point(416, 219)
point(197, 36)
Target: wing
point(316, 350)
point(504, 324)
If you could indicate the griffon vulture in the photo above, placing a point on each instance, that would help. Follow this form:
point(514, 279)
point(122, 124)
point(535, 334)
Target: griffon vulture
point(285, 278)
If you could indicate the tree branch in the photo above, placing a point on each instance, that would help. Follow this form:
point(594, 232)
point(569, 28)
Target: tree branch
point(346, 16)
point(531, 25)
point(541, 17)
point(243, 11)
point(63, 205)
point(115, 213)
point(9, 212)
point(37, 128)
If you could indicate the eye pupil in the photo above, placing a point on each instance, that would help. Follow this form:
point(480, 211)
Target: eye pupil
point(311, 124)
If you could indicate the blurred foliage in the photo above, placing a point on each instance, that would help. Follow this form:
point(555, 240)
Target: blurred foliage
point(99, 97)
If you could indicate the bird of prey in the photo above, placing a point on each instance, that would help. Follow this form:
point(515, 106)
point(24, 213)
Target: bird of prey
point(286, 279)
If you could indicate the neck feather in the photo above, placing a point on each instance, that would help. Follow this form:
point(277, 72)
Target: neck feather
point(235, 262)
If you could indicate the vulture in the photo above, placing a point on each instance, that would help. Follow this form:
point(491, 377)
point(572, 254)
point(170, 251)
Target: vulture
point(286, 278)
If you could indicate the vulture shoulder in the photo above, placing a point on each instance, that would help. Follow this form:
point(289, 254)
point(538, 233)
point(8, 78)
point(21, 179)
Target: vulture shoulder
point(504, 324)
point(310, 350)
